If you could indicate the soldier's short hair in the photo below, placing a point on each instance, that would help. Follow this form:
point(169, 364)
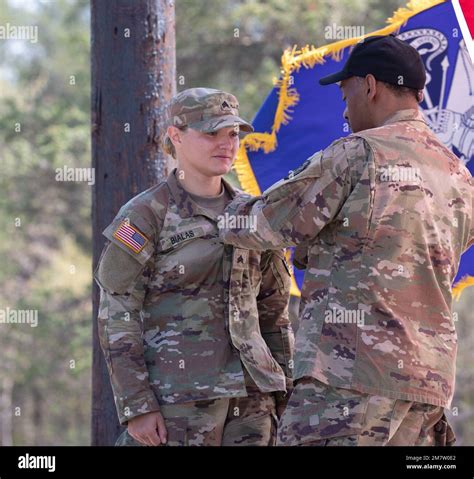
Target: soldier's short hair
point(167, 144)
point(401, 91)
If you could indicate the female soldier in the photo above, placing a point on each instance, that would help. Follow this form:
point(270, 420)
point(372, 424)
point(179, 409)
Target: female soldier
point(195, 334)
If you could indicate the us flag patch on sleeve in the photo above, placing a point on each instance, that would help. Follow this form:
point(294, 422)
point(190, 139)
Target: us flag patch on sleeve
point(130, 237)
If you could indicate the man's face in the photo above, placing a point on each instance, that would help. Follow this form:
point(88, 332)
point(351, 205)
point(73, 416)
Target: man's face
point(354, 94)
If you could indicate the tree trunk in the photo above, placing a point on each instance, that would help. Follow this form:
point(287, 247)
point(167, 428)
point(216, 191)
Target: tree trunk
point(37, 423)
point(133, 76)
point(6, 411)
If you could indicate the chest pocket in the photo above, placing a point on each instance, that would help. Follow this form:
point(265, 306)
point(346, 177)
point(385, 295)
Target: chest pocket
point(188, 256)
point(176, 239)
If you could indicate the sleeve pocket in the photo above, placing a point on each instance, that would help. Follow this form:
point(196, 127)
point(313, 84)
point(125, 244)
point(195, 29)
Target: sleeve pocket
point(117, 271)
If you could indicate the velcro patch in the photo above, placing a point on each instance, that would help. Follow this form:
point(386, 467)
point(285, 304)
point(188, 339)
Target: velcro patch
point(178, 237)
point(298, 170)
point(240, 257)
point(130, 237)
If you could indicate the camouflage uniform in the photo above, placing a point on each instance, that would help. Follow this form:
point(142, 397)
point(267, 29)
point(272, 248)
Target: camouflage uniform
point(242, 421)
point(322, 415)
point(190, 327)
point(381, 254)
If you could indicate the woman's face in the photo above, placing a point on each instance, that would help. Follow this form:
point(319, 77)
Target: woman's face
point(210, 154)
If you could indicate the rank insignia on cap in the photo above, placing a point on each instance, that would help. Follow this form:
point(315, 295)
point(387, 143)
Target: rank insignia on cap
point(130, 237)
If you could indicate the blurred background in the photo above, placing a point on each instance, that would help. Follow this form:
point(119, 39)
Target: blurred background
point(45, 224)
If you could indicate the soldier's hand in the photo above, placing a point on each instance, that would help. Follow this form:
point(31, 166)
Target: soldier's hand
point(149, 429)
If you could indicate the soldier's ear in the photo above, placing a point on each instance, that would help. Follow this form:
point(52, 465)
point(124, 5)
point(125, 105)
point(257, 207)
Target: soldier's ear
point(174, 134)
point(371, 86)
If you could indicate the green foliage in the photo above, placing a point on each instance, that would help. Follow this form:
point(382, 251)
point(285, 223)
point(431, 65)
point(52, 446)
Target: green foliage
point(237, 46)
point(45, 230)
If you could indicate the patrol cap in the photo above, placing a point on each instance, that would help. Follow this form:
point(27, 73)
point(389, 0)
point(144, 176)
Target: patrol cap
point(205, 110)
point(387, 58)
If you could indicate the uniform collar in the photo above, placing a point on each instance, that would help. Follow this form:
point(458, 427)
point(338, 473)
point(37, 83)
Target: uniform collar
point(411, 114)
point(187, 207)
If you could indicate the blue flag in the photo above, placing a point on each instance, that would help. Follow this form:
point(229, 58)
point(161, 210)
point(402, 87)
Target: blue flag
point(300, 117)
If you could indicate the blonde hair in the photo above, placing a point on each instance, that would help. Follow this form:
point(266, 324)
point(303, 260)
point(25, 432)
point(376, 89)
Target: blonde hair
point(167, 144)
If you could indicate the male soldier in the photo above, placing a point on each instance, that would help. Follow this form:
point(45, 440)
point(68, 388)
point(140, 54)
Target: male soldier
point(384, 216)
point(196, 335)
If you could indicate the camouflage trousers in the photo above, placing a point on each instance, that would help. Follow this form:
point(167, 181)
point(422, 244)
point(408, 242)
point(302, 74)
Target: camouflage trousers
point(243, 421)
point(321, 415)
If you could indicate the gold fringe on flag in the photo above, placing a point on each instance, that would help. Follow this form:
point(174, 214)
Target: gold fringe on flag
point(461, 285)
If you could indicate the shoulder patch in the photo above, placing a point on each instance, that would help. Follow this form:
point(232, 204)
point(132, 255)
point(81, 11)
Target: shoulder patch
point(130, 236)
point(298, 170)
point(311, 168)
